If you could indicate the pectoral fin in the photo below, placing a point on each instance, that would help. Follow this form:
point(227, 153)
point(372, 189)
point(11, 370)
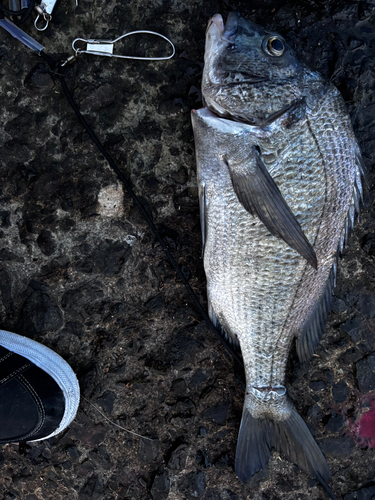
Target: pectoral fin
point(202, 212)
point(260, 196)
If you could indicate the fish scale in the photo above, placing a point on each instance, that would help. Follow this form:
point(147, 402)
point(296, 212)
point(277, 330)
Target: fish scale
point(278, 171)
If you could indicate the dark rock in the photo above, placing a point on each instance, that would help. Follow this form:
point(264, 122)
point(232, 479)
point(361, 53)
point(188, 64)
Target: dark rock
point(148, 450)
point(198, 379)
point(55, 266)
point(66, 224)
point(178, 457)
point(367, 493)
point(171, 237)
point(315, 415)
point(218, 413)
point(41, 80)
point(67, 465)
point(338, 305)
point(46, 242)
point(152, 183)
point(178, 387)
point(352, 325)
point(193, 485)
point(86, 433)
point(82, 301)
point(73, 328)
point(93, 489)
point(202, 459)
point(181, 176)
point(360, 333)
point(8, 255)
point(340, 392)
point(368, 242)
point(366, 373)
point(186, 272)
point(101, 97)
point(160, 486)
point(220, 495)
point(222, 461)
point(337, 447)
point(40, 314)
point(329, 377)
point(335, 423)
point(318, 385)
point(5, 218)
point(21, 122)
point(366, 304)
point(6, 290)
point(73, 453)
point(106, 401)
point(111, 256)
point(88, 193)
point(350, 356)
point(156, 303)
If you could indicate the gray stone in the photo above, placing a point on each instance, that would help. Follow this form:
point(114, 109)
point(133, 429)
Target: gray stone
point(366, 373)
point(340, 391)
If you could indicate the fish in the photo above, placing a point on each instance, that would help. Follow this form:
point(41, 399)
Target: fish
point(279, 176)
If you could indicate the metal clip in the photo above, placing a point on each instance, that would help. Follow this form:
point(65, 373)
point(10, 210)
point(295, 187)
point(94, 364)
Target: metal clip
point(105, 47)
point(45, 10)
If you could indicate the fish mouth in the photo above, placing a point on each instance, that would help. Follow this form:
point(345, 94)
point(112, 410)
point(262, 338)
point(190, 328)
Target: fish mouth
point(219, 34)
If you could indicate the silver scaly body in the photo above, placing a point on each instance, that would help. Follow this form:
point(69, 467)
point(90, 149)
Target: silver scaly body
point(262, 292)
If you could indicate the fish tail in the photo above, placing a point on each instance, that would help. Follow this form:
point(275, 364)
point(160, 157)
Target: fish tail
point(274, 423)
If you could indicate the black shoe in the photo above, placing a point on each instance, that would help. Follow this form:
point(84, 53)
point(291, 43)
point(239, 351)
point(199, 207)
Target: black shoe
point(39, 392)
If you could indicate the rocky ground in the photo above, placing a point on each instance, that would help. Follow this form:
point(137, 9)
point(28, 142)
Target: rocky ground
point(81, 272)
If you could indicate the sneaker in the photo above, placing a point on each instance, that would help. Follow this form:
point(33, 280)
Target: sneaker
point(39, 392)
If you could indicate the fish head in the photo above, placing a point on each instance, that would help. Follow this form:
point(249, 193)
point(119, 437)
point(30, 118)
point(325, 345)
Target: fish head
point(251, 74)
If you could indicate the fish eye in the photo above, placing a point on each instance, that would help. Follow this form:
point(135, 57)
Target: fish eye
point(274, 46)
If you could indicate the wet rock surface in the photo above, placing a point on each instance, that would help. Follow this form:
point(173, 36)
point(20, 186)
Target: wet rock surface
point(81, 272)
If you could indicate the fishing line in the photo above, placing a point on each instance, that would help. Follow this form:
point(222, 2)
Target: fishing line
point(100, 47)
point(56, 71)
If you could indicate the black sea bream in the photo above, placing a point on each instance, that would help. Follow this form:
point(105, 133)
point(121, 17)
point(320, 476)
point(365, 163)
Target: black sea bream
point(279, 178)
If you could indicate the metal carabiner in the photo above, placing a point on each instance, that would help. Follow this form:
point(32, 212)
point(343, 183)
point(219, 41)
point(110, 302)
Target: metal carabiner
point(44, 10)
point(106, 47)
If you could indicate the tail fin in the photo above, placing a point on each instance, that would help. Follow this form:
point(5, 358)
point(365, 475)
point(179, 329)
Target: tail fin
point(288, 434)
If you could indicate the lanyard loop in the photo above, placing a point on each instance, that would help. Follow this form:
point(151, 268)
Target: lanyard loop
point(106, 47)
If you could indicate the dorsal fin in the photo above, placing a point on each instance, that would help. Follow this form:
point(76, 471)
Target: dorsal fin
point(313, 330)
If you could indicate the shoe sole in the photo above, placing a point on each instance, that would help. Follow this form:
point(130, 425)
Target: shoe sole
point(54, 365)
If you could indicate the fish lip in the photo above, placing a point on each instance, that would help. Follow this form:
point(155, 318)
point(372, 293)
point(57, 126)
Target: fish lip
point(231, 26)
point(216, 23)
point(224, 31)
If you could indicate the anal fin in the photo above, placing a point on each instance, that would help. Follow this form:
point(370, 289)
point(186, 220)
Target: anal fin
point(231, 339)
